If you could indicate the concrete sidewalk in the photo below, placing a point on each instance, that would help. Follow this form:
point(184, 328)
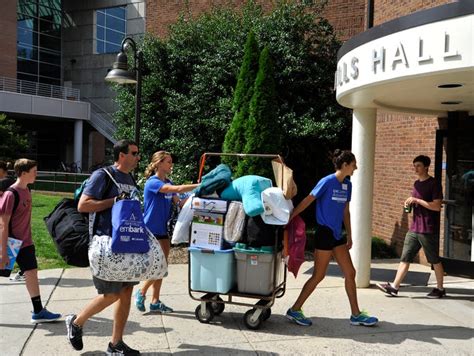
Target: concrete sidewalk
point(409, 324)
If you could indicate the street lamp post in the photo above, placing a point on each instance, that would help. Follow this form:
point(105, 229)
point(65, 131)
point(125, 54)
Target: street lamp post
point(121, 75)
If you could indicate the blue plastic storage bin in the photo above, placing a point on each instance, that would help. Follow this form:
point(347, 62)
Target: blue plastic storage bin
point(212, 270)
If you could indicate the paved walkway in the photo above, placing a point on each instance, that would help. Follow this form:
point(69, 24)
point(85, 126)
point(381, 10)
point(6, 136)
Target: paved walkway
point(410, 324)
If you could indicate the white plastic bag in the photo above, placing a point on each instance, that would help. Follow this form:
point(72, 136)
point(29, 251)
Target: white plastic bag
point(181, 229)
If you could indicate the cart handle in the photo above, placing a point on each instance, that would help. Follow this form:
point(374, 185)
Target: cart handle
point(242, 155)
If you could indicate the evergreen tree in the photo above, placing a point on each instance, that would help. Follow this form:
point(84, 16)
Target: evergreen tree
point(262, 133)
point(234, 141)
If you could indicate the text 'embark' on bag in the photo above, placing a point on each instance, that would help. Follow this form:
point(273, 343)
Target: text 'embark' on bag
point(128, 228)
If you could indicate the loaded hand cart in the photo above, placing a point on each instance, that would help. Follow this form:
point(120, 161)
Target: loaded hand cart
point(219, 274)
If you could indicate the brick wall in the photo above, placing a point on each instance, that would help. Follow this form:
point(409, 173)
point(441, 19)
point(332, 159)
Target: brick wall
point(162, 13)
point(386, 10)
point(399, 139)
point(347, 16)
point(8, 39)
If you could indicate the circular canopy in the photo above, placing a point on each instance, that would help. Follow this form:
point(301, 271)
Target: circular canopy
point(420, 63)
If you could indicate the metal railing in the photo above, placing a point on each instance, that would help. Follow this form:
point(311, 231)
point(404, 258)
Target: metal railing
point(39, 89)
point(101, 120)
point(58, 181)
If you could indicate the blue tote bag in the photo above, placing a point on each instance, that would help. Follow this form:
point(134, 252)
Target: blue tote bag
point(129, 233)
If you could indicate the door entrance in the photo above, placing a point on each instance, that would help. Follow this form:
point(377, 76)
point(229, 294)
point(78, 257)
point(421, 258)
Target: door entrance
point(458, 256)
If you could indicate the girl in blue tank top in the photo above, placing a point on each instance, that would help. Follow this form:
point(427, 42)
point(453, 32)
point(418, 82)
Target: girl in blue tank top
point(159, 195)
point(332, 195)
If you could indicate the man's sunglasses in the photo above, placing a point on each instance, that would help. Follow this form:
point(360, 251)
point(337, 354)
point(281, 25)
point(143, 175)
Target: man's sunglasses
point(136, 153)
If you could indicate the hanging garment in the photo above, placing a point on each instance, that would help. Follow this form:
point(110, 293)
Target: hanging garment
point(296, 244)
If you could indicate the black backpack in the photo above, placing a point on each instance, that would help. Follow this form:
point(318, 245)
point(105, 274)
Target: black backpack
point(70, 229)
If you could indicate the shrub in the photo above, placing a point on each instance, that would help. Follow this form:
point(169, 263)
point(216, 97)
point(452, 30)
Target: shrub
point(380, 249)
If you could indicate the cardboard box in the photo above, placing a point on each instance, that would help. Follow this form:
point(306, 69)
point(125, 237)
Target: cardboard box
point(209, 205)
point(207, 231)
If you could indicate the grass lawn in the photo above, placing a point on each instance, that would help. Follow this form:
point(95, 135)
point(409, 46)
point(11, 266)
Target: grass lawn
point(46, 252)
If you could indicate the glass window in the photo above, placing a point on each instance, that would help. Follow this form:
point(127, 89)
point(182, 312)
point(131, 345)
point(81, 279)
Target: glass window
point(110, 29)
point(54, 4)
point(50, 57)
point(39, 39)
point(116, 11)
point(116, 24)
point(27, 37)
point(113, 37)
point(100, 33)
point(49, 42)
point(26, 7)
point(49, 70)
point(50, 28)
point(112, 48)
point(51, 81)
point(27, 23)
point(27, 66)
point(100, 47)
point(100, 18)
point(26, 52)
point(30, 78)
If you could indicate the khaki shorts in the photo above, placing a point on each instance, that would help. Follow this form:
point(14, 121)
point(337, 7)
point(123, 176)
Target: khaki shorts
point(414, 241)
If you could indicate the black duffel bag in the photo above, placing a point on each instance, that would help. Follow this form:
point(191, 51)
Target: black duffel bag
point(70, 232)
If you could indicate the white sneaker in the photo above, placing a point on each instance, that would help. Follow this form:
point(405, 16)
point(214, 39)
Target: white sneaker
point(18, 277)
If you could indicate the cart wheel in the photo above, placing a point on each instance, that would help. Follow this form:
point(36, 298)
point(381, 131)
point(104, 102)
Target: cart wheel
point(218, 308)
point(266, 313)
point(249, 323)
point(206, 316)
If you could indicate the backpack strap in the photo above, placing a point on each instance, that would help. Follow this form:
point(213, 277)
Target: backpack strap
point(109, 171)
point(16, 201)
point(110, 181)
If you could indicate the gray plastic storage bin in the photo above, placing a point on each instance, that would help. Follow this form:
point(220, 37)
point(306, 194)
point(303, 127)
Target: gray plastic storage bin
point(255, 270)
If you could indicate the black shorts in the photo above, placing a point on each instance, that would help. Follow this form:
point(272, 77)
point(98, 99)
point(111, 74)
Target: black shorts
point(162, 237)
point(108, 287)
point(325, 239)
point(26, 258)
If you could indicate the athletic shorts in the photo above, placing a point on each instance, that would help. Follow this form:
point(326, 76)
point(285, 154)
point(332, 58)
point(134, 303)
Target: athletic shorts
point(325, 240)
point(162, 237)
point(26, 258)
point(414, 241)
point(107, 287)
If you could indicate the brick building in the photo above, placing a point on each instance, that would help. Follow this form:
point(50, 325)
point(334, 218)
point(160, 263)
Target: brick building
point(418, 108)
point(400, 132)
point(410, 81)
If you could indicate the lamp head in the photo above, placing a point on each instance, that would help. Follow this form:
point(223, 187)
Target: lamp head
point(120, 73)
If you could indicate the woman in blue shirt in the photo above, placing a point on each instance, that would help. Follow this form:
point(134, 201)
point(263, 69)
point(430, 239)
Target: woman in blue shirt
point(160, 194)
point(332, 195)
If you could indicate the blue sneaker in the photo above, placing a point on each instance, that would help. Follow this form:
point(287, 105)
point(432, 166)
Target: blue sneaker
point(160, 308)
point(364, 319)
point(44, 316)
point(298, 317)
point(140, 301)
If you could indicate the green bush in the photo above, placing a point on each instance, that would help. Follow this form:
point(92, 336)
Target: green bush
point(380, 249)
point(190, 76)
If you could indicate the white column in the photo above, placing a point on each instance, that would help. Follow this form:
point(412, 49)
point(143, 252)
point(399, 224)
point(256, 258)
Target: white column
point(78, 128)
point(363, 147)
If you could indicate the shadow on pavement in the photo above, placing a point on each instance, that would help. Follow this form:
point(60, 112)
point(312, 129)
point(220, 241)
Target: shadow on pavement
point(381, 275)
